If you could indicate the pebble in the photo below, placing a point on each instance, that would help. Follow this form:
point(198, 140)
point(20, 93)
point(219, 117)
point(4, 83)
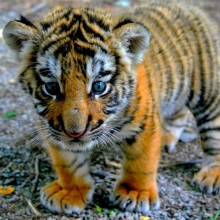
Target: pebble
point(122, 3)
point(12, 81)
point(101, 174)
point(99, 181)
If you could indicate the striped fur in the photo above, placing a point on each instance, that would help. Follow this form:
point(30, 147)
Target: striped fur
point(153, 66)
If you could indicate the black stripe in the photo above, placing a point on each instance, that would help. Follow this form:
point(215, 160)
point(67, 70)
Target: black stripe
point(34, 54)
point(26, 85)
point(98, 124)
point(108, 112)
point(79, 35)
point(26, 21)
point(45, 26)
point(63, 50)
point(80, 165)
point(68, 14)
point(50, 44)
point(211, 151)
point(210, 129)
point(201, 101)
point(62, 28)
point(96, 135)
point(82, 68)
point(55, 135)
point(203, 46)
point(124, 22)
point(86, 51)
point(44, 112)
point(128, 21)
point(131, 140)
point(164, 27)
point(45, 72)
point(30, 89)
point(73, 162)
point(208, 116)
point(207, 138)
point(90, 31)
point(55, 127)
point(122, 124)
point(89, 119)
point(61, 123)
point(77, 18)
point(103, 73)
point(64, 17)
point(114, 100)
point(96, 20)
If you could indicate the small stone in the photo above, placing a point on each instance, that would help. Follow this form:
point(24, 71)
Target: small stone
point(163, 214)
point(99, 181)
point(12, 81)
point(122, 3)
point(101, 174)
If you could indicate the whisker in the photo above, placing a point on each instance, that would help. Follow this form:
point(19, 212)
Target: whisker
point(112, 144)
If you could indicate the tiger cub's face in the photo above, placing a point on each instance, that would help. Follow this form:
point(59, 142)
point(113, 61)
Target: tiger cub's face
point(79, 67)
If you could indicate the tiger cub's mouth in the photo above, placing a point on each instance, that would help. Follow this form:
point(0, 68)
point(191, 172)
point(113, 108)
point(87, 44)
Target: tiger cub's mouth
point(74, 134)
point(89, 133)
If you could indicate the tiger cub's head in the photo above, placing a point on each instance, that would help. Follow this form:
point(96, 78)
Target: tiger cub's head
point(79, 67)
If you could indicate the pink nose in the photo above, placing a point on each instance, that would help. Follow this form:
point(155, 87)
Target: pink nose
point(75, 135)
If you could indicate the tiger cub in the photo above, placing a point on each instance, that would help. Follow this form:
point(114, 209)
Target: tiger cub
point(100, 79)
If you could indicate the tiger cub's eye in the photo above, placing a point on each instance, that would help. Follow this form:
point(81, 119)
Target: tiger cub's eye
point(52, 88)
point(98, 87)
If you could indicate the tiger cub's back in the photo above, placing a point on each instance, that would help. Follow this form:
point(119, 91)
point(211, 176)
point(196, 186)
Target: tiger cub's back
point(182, 54)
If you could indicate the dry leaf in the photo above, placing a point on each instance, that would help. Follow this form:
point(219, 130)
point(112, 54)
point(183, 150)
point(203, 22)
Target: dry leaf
point(6, 190)
point(144, 218)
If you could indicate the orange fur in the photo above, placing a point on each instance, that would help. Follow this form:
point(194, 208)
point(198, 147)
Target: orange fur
point(69, 189)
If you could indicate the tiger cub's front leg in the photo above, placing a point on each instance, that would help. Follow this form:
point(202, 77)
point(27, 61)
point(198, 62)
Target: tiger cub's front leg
point(137, 188)
point(74, 186)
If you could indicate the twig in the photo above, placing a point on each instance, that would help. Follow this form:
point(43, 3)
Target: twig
point(8, 166)
point(27, 180)
point(36, 212)
point(161, 165)
point(191, 162)
point(35, 182)
point(112, 163)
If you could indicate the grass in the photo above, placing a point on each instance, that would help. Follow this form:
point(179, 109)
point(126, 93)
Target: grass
point(108, 213)
point(215, 217)
point(10, 114)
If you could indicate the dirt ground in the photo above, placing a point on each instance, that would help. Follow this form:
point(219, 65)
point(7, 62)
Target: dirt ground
point(25, 166)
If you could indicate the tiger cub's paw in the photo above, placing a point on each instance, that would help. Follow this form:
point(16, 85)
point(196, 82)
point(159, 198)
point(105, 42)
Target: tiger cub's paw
point(134, 200)
point(58, 199)
point(208, 179)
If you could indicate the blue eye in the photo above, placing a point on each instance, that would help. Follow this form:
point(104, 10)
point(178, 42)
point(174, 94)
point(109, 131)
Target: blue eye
point(98, 87)
point(52, 88)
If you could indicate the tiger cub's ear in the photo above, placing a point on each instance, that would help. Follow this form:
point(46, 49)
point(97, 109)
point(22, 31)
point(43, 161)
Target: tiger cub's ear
point(17, 32)
point(135, 37)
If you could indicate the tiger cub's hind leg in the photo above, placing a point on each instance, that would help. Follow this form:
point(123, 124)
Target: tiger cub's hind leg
point(74, 186)
point(178, 127)
point(208, 122)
